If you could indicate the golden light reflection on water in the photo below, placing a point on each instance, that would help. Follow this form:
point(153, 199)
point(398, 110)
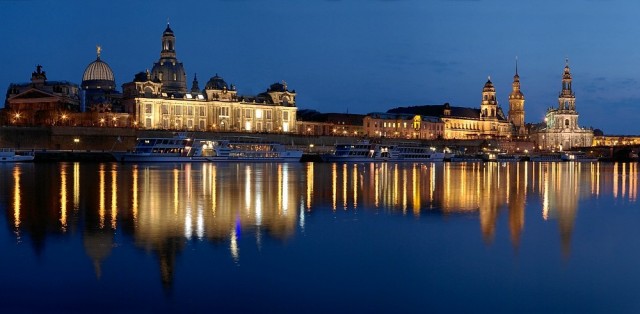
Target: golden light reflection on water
point(63, 198)
point(221, 202)
point(101, 190)
point(114, 196)
point(17, 198)
point(76, 186)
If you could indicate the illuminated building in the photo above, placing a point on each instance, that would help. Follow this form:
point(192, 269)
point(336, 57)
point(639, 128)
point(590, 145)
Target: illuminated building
point(403, 126)
point(311, 122)
point(560, 130)
point(99, 87)
point(516, 106)
point(159, 100)
point(468, 123)
point(40, 102)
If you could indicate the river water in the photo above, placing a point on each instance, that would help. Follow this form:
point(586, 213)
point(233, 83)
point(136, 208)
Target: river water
point(319, 237)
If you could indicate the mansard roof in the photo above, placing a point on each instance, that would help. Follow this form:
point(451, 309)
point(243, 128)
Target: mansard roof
point(438, 111)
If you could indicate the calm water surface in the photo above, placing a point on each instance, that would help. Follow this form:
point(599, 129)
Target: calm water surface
point(436, 237)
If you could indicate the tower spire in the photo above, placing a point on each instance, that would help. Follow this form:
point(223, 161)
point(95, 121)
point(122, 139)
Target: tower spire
point(98, 51)
point(516, 65)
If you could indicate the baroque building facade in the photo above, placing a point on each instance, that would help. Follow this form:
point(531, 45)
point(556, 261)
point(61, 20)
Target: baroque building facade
point(560, 129)
point(41, 102)
point(516, 107)
point(159, 100)
point(487, 122)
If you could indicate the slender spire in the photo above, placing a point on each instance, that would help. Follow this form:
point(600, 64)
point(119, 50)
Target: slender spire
point(98, 51)
point(516, 65)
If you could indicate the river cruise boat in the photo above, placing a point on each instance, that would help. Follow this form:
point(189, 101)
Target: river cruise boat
point(9, 155)
point(365, 151)
point(184, 149)
point(541, 157)
point(577, 156)
point(508, 158)
point(466, 158)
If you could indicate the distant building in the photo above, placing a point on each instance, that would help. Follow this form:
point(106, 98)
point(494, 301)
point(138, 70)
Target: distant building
point(516, 107)
point(488, 122)
point(403, 125)
point(168, 70)
point(41, 102)
point(159, 100)
point(311, 122)
point(99, 88)
point(560, 130)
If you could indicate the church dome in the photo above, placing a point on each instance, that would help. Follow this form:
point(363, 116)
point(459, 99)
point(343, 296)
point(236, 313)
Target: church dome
point(488, 86)
point(98, 74)
point(217, 82)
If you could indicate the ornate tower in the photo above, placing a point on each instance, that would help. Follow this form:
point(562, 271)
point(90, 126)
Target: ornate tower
point(516, 105)
point(195, 89)
point(489, 105)
point(168, 70)
point(567, 99)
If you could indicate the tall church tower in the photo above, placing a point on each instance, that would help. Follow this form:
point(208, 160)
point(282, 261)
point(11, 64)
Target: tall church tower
point(516, 105)
point(489, 105)
point(567, 99)
point(168, 70)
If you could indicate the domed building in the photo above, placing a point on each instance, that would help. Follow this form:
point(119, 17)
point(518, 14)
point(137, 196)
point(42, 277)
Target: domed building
point(159, 99)
point(168, 70)
point(218, 89)
point(99, 87)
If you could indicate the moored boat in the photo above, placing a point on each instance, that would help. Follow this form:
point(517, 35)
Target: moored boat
point(542, 157)
point(184, 149)
point(577, 156)
point(10, 155)
point(365, 151)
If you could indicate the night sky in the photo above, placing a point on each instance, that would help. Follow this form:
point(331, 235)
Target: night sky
point(355, 56)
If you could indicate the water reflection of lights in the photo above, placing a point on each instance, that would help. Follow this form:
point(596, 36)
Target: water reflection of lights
point(334, 185)
point(309, 183)
point(101, 191)
point(218, 201)
point(134, 201)
point(17, 200)
point(233, 245)
point(76, 186)
point(114, 196)
point(285, 188)
point(63, 198)
point(344, 186)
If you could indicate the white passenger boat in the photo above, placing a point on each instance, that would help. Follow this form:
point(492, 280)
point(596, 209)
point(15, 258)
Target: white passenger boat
point(466, 158)
point(508, 158)
point(9, 155)
point(184, 149)
point(365, 151)
point(546, 157)
point(577, 156)
point(245, 148)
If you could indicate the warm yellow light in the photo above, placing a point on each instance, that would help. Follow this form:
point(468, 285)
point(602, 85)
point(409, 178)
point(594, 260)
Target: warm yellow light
point(76, 140)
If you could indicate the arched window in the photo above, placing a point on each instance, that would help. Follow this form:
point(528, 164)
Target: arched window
point(566, 123)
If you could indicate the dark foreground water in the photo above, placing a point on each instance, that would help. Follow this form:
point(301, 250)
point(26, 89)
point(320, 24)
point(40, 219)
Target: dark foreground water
point(439, 237)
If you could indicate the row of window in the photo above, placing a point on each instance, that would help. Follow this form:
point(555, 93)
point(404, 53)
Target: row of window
point(179, 110)
point(431, 126)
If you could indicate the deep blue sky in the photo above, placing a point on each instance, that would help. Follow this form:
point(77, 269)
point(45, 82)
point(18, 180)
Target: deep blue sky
point(351, 55)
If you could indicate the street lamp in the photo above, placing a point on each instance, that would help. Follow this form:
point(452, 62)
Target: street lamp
point(75, 142)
